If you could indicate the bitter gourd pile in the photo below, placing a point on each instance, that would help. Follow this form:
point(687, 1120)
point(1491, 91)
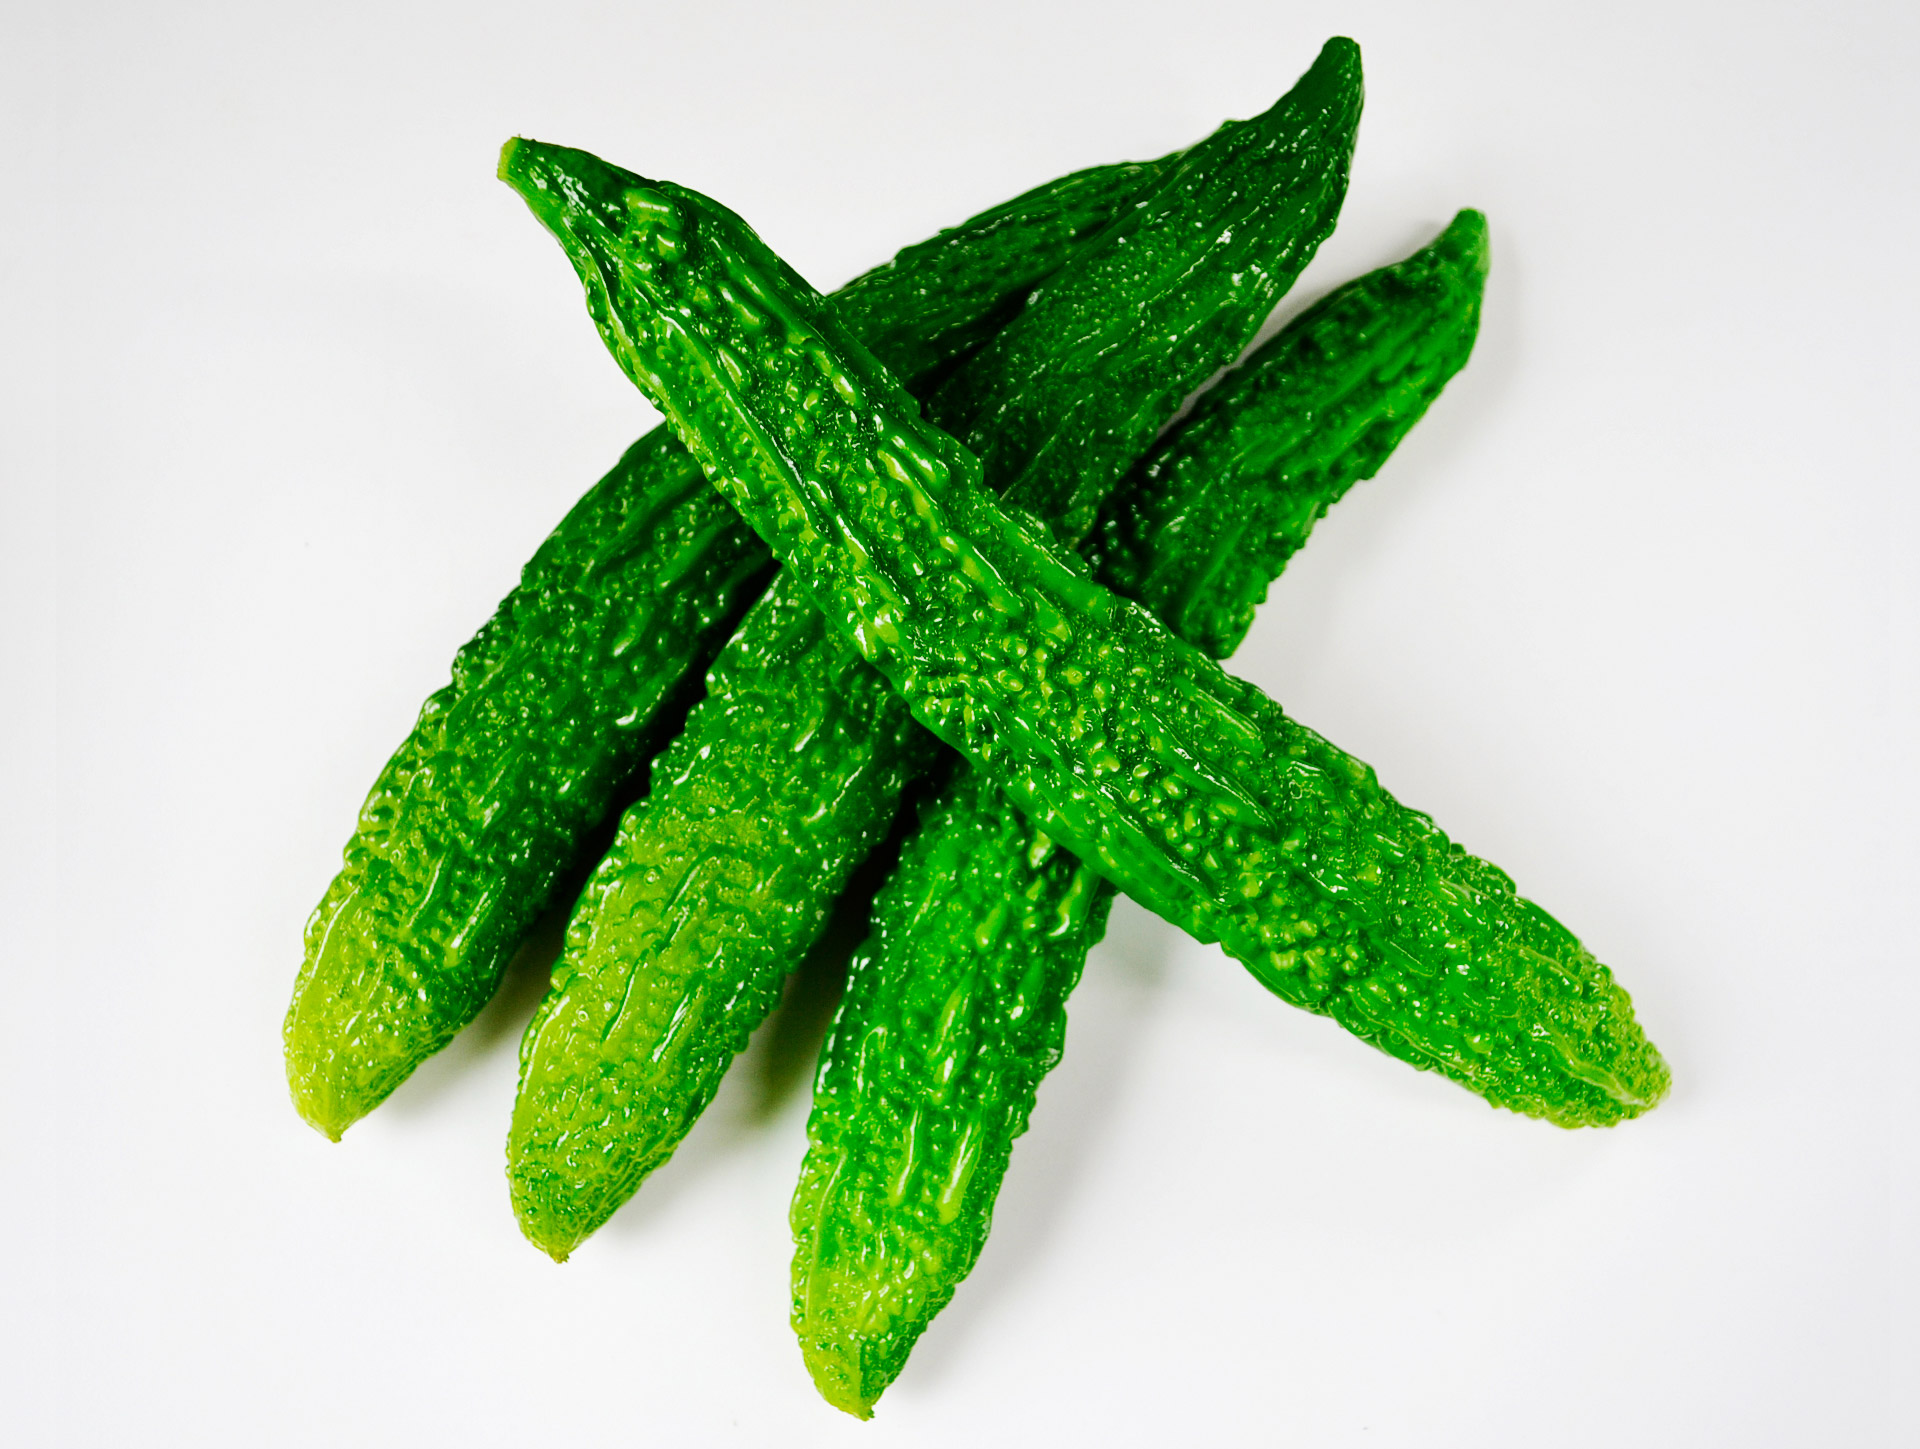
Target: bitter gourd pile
point(791, 769)
point(1187, 788)
point(483, 809)
point(1098, 745)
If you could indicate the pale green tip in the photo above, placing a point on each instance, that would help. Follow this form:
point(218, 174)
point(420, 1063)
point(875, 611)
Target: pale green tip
point(314, 1097)
point(558, 1246)
point(543, 1222)
point(835, 1368)
point(330, 1125)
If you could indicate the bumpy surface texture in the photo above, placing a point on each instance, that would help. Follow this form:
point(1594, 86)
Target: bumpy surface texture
point(956, 1007)
point(480, 810)
point(1215, 512)
point(485, 805)
point(1187, 788)
point(679, 946)
point(937, 300)
point(787, 774)
point(953, 1012)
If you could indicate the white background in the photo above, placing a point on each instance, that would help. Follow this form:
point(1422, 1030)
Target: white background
point(293, 386)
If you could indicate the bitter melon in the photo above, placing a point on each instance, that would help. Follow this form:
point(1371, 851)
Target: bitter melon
point(791, 768)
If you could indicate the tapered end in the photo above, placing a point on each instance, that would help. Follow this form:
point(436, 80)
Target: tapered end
point(328, 1124)
point(854, 1320)
point(1339, 56)
point(325, 1089)
point(1332, 88)
point(339, 1068)
point(554, 1215)
point(1464, 243)
point(558, 180)
point(566, 1168)
point(1620, 1061)
point(311, 1070)
point(1335, 75)
point(835, 1369)
point(557, 1239)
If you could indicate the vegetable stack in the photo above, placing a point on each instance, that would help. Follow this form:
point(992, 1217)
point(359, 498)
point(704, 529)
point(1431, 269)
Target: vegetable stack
point(791, 769)
point(1045, 659)
point(485, 807)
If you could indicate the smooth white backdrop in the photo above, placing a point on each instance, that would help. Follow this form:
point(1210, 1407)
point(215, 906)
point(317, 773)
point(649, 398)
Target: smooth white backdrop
point(293, 386)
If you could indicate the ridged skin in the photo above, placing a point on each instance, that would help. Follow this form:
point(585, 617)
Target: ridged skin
point(795, 761)
point(480, 810)
point(941, 298)
point(1216, 511)
point(486, 804)
point(1187, 788)
point(956, 1007)
point(954, 1010)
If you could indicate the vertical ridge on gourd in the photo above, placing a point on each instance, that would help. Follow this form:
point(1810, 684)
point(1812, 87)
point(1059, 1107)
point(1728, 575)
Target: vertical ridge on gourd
point(790, 770)
point(1186, 787)
point(484, 807)
point(954, 1011)
point(955, 1008)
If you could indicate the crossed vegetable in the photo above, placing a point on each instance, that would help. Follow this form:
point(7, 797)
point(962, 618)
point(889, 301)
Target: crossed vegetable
point(1060, 640)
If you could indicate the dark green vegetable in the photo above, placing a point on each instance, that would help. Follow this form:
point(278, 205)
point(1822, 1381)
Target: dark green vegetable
point(486, 804)
point(791, 769)
point(956, 1007)
point(1187, 788)
point(1195, 539)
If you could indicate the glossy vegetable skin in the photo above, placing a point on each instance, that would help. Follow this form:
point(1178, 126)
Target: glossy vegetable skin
point(1187, 788)
point(790, 770)
point(552, 706)
point(955, 1008)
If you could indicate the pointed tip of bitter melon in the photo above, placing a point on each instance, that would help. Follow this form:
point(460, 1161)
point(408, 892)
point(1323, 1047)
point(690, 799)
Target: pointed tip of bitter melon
point(1640, 1083)
point(529, 167)
point(1332, 87)
point(549, 1226)
point(1464, 242)
point(557, 1246)
point(1455, 262)
point(1338, 63)
point(332, 1131)
point(318, 1107)
point(555, 181)
point(1605, 1071)
point(549, 1231)
point(339, 1068)
point(319, 1077)
point(1340, 50)
point(835, 1368)
point(852, 1347)
point(1332, 91)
